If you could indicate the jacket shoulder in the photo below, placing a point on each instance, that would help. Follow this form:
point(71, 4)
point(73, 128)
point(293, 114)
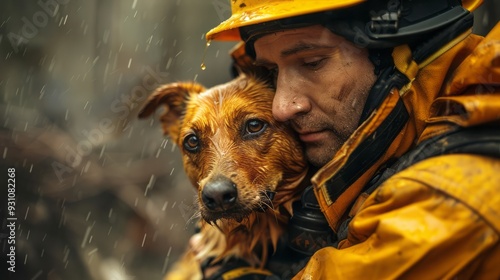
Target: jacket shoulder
point(480, 71)
point(473, 180)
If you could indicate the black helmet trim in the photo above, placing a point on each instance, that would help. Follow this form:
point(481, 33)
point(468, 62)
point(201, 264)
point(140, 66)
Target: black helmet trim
point(364, 35)
point(373, 24)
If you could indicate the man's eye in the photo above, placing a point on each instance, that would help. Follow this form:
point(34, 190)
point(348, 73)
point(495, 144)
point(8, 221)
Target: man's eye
point(254, 127)
point(191, 143)
point(315, 64)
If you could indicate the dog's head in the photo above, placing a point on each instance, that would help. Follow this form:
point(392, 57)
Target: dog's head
point(233, 150)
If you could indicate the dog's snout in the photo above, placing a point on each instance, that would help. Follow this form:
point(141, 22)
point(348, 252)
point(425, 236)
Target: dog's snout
point(219, 194)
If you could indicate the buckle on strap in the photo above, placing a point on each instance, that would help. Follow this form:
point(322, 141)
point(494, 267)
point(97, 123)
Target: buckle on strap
point(386, 21)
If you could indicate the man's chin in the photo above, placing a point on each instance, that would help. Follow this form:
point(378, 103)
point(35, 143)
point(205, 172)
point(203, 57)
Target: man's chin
point(318, 155)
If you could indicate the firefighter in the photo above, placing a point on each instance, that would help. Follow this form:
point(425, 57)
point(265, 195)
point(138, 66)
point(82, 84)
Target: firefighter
point(398, 106)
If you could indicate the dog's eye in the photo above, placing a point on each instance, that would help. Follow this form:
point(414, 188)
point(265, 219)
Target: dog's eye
point(191, 143)
point(255, 127)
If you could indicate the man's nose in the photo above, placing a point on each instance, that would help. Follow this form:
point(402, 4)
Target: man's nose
point(289, 101)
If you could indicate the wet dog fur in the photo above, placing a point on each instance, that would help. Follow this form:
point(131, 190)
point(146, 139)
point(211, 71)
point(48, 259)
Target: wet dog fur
point(229, 140)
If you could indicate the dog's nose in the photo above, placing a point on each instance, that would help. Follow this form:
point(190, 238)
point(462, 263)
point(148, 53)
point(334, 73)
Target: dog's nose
point(219, 194)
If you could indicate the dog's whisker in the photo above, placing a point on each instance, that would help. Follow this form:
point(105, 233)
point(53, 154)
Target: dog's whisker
point(196, 215)
point(269, 204)
point(260, 205)
point(267, 199)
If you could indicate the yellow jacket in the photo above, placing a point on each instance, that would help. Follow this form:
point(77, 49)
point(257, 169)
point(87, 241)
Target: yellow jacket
point(439, 218)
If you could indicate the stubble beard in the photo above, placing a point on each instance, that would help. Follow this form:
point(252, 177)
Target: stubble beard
point(319, 154)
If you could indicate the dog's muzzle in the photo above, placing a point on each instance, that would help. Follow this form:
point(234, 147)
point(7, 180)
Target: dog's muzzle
point(220, 198)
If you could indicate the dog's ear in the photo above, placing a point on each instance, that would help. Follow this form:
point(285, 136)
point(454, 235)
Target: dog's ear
point(244, 64)
point(173, 97)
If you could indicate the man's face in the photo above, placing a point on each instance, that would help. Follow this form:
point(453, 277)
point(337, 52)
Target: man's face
point(322, 82)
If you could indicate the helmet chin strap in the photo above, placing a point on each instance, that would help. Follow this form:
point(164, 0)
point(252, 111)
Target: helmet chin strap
point(388, 78)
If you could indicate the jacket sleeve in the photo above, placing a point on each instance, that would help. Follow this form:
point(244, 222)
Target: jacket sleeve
point(438, 219)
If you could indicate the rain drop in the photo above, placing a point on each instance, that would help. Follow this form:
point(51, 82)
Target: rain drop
point(66, 254)
point(168, 63)
point(102, 151)
point(37, 274)
point(203, 66)
point(86, 236)
point(164, 269)
point(144, 239)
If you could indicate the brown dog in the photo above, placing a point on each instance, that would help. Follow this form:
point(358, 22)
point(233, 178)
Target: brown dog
point(246, 166)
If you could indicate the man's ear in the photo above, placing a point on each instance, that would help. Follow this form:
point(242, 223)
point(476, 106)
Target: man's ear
point(173, 97)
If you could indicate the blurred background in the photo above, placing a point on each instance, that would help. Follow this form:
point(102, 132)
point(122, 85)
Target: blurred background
point(101, 194)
